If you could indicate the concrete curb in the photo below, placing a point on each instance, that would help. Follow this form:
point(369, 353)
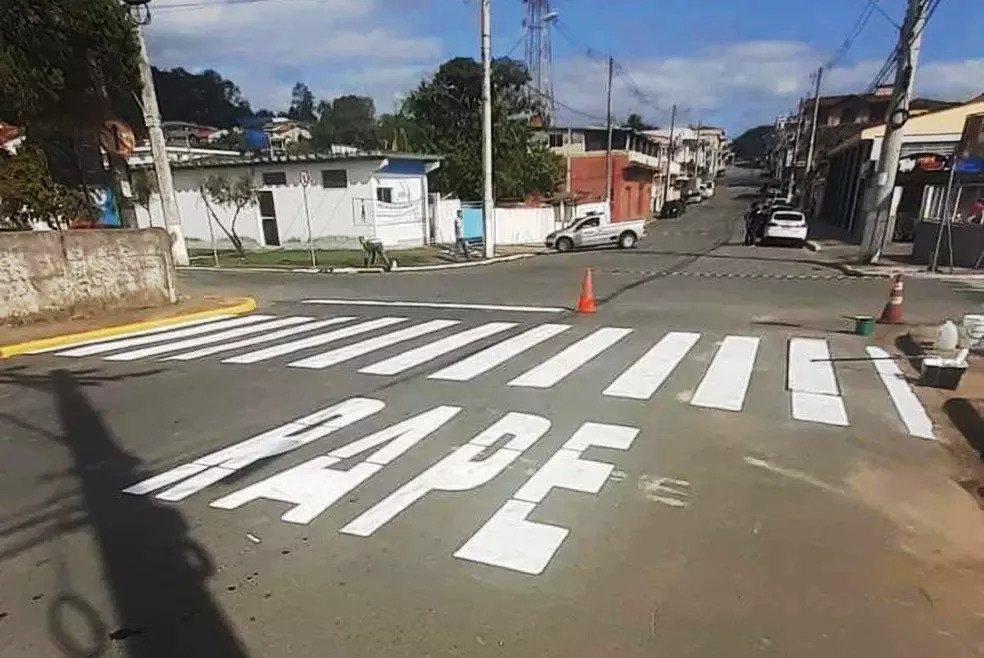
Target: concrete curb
point(910, 273)
point(360, 270)
point(813, 245)
point(245, 305)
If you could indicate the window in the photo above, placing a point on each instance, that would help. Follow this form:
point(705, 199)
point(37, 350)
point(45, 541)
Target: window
point(556, 140)
point(384, 194)
point(274, 178)
point(594, 222)
point(334, 178)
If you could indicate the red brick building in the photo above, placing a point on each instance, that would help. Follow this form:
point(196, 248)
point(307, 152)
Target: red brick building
point(636, 174)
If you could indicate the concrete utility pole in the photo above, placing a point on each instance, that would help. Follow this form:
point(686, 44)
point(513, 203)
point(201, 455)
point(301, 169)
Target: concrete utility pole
point(796, 147)
point(158, 149)
point(568, 182)
point(608, 150)
point(813, 126)
point(669, 156)
point(879, 224)
point(488, 202)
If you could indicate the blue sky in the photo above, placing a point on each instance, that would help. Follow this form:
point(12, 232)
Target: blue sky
point(728, 62)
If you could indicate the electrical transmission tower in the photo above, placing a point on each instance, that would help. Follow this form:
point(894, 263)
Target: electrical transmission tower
point(539, 55)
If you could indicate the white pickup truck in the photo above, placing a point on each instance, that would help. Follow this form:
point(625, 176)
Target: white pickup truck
point(592, 231)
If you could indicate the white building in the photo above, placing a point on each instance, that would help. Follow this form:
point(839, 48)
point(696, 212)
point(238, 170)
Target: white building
point(381, 195)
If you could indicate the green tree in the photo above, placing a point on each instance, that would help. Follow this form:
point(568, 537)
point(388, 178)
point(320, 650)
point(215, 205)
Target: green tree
point(347, 120)
point(205, 98)
point(233, 194)
point(302, 104)
point(65, 62)
point(28, 194)
point(636, 122)
point(447, 113)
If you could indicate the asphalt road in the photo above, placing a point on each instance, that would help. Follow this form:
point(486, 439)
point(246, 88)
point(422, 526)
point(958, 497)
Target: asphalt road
point(676, 475)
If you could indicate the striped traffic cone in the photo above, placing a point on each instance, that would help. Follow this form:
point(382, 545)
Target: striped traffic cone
point(586, 303)
point(892, 313)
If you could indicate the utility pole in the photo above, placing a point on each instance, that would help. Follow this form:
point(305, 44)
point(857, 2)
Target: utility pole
point(669, 156)
point(813, 126)
point(698, 152)
point(879, 224)
point(796, 146)
point(568, 183)
point(158, 149)
point(608, 151)
point(488, 202)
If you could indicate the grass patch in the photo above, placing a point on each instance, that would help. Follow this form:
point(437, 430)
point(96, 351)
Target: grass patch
point(302, 258)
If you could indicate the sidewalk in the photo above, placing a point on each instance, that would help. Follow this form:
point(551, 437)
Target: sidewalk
point(838, 249)
point(16, 340)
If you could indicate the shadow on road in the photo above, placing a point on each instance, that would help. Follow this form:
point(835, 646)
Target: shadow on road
point(966, 418)
point(154, 571)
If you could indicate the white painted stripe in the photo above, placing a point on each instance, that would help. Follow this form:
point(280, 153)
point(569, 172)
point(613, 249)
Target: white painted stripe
point(489, 358)
point(313, 341)
point(810, 369)
point(726, 380)
point(211, 339)
point(255, 340)
point(571, 358)
point(134, 334)
point(819, 408)
point(467, 307)
point(102, 348)
point(910, 409)
point(645, 376)
point(425, 353)
point(365, 347)
point(812, 383)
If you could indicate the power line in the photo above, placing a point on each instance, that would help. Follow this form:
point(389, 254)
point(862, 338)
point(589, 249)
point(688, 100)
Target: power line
point(620, 69)
point(855, 32)
point(893, 56)
point(206, 5)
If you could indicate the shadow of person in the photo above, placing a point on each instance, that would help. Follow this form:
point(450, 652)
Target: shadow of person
point(155, 572)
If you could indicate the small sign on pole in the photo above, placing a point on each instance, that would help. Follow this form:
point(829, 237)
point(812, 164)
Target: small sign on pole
point(305, 178)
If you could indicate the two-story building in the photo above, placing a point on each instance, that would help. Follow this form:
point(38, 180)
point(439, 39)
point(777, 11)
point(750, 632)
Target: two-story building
point(637, 172)
point(928, 145)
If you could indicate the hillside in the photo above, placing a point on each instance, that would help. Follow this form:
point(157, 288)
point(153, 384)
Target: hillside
point(753, 143)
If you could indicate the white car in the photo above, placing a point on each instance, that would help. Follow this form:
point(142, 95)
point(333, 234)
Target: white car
point(593, 231)
point(707, 189)
point(787, 225)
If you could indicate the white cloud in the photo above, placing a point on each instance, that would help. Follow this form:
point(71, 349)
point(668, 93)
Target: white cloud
point(739, 84)
point(339, 46)
point(370, 47)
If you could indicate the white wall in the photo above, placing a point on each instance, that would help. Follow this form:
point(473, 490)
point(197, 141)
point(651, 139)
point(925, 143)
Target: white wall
point(523, 225)
point(338, 216)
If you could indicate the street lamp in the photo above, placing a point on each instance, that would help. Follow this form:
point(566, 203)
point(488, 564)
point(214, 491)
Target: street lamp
point(139, 11)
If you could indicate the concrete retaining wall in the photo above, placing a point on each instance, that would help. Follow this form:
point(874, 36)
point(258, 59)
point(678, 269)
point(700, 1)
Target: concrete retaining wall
point(968, 244)
point(55, 274)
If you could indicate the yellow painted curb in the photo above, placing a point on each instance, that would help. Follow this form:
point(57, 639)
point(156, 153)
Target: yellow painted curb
point(247, 305)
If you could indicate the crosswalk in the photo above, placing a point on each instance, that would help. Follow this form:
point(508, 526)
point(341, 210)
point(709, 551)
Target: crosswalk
point(542, 356)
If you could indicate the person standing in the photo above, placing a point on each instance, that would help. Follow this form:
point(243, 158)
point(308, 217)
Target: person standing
point(459, 235)
point(751, 225)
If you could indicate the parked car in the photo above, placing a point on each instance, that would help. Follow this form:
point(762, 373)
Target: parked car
point(673, 208)
point(591, 231)
point(786, 225)
point(693, 196)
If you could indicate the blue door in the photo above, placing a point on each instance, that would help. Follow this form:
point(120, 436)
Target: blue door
point(471, 220)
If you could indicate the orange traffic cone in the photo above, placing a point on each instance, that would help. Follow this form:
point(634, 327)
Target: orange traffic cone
point(586, 303)
point(892, 313)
